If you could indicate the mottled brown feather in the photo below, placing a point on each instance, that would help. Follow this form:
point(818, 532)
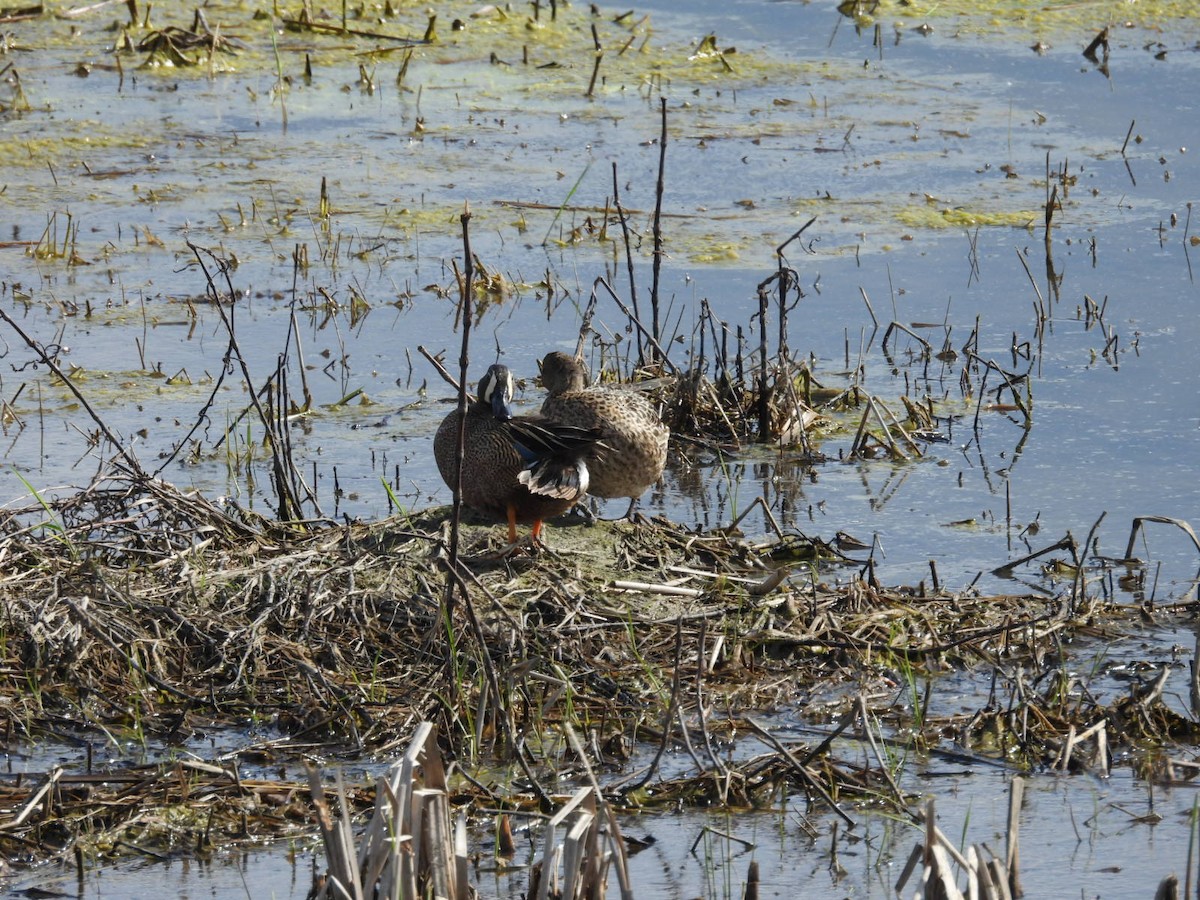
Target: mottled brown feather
point(633, 435)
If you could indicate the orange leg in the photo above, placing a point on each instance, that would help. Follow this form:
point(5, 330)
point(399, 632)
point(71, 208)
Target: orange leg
point(537, 533)
point(512, 524)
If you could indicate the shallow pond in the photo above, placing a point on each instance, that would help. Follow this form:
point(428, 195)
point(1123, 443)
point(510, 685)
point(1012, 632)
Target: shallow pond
point(1107, 839)
point(922, 153)
point(932, 137)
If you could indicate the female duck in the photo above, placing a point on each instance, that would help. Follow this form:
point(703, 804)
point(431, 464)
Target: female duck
point(633, 435)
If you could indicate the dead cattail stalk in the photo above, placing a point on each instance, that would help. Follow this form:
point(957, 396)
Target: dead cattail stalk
point(464, 358)
point(598, 52)
point(657, 227)
point(628, 260)
point(1012, 857)
point(1051, 202)
point(786, 277)
point(562, 864)
point(1100, 41)
point(764, 398)
point(751, 891)
point(987, 876)
point(1040, 305)
point(926, 349)
point(870, 310)
point(1079, 585)
point(1168, 889)
point(1140, 521)
point(409, 849)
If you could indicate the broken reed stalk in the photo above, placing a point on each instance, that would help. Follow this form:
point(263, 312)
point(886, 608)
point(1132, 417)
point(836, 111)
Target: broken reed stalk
point(1012, 854)
point(1139, 523)
point(438, 367)
point(409, 849)
point(904, 435)
point(294, 328)
point(596, 860)
point(988, 877)
point(801, 769)
point(787, 277)
point(1079, 584)
point(598, 51)
point(764, 400)
point(926, 348)
point(621, 217)
point(455, 585)
point(864, 715)
point(1051, 201)
point(460, 412)
point(870, 309)
point(1064, 543)
point(659, 187)
point(304, 22)
point(873, 408)
point(1128, 135)
point(1099, 731)
point(1040, 306)
point(1099, 42)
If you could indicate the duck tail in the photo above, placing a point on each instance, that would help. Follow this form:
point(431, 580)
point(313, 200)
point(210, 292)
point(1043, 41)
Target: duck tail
point(564, 479)
point(554, 455)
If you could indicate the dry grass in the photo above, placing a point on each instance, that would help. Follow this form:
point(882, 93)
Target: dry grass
point(137, 613)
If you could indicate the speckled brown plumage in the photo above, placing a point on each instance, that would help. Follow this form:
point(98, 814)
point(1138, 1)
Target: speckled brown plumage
point(515, 468)
point(633, 435)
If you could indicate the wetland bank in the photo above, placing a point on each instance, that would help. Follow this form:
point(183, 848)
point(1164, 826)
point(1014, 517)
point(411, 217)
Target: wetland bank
point(175, 651)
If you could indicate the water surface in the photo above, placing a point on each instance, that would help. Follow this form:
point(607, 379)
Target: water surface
point(923, 157)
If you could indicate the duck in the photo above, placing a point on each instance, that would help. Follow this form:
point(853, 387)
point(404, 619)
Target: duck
point(515, 469)
point(631, 430)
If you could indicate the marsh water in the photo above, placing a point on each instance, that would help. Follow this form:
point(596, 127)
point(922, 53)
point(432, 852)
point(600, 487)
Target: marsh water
point(921, 147)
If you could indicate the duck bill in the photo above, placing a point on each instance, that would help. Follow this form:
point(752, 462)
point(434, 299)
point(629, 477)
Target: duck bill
point(500, 406)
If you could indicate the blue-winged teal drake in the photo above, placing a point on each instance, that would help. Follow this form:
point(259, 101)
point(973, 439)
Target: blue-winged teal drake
point(515, 468)
point(632, 432)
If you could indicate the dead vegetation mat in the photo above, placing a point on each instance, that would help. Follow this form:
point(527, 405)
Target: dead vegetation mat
point(142, 623)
